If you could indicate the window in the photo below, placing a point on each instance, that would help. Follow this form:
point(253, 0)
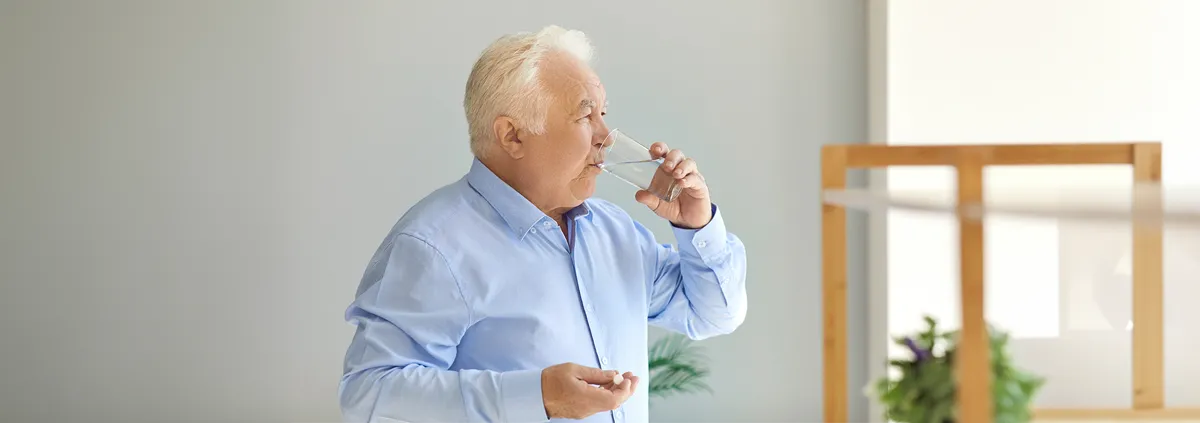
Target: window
point(1021, 71)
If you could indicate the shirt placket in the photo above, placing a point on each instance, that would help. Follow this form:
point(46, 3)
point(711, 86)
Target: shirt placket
point(582, 268)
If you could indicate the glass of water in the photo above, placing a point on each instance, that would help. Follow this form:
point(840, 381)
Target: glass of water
point(630, 161)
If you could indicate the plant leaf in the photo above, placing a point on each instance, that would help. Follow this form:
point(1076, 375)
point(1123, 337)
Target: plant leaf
point(676, 367)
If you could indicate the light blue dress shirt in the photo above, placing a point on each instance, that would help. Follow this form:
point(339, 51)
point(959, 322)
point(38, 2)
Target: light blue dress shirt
point(475, 291)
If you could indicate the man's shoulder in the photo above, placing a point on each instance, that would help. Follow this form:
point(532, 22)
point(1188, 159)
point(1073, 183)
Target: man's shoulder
point(441, 210)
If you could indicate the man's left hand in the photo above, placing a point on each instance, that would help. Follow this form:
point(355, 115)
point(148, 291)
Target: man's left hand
point(692, 209)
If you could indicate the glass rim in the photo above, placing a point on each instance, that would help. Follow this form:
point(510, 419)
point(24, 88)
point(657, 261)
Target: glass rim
point(608, 146)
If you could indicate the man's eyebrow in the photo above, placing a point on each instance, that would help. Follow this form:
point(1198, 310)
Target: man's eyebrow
point(587, 103)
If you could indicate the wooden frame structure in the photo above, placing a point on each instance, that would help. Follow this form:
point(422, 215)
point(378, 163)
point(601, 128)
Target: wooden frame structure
point(972, 371)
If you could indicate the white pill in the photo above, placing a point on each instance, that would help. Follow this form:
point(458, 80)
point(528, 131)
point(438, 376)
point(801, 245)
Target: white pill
point(617, 379)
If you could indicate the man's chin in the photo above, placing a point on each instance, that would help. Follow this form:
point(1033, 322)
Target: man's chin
point(582, 196)
point(584, 190)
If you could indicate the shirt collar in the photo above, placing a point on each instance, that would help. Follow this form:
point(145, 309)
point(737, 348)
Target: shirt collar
point(514, 208)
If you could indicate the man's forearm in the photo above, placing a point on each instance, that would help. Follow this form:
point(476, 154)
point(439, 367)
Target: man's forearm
point(709, 291)
point(423, 394)
point(715, 283)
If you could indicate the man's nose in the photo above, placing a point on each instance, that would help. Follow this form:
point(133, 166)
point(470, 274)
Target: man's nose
point(601, 137)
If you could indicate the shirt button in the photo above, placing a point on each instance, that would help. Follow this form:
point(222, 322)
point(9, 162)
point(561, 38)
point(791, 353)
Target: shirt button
point(604, 361)
point(548, 224)
point(701, 244)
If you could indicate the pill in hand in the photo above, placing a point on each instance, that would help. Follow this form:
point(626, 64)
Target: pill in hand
point(617, 379)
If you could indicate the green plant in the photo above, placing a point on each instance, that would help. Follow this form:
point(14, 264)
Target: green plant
point(677, 366)
point(925, 390)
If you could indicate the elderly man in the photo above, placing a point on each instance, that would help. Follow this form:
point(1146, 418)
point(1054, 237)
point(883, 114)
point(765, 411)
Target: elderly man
point(511, 295)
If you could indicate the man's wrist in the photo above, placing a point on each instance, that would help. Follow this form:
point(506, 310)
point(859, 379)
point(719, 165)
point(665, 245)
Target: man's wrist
point(707, 240)
point(712, 212)
point(521, 396)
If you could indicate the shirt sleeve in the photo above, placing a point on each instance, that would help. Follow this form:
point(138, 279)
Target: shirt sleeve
point(699, 288)
point(410, 315)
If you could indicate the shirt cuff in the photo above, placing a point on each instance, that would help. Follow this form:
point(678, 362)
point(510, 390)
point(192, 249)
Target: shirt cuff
point(521, 396)
point(706, 242)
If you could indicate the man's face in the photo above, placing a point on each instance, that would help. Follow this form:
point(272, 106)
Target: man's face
point(561, 159)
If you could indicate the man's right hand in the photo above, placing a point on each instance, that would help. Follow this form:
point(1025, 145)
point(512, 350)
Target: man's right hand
point(575, 392)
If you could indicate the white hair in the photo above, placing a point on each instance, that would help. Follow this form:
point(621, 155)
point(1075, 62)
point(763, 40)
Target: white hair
point(505, 81)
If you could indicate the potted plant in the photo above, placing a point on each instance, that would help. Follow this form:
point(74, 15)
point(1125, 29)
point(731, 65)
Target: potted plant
point(677, 366)
point(923, 391)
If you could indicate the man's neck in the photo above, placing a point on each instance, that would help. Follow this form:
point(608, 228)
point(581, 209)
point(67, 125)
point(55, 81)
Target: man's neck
point(506, 171)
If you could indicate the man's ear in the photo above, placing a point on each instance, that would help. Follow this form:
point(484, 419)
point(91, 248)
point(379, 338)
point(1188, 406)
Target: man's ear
point(505, 131)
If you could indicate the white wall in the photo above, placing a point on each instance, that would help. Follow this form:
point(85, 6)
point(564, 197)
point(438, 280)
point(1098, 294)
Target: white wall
point(191, 189)
point(1019, 71)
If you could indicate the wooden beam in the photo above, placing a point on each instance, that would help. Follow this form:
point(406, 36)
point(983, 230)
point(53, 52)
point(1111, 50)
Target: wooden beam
point(1052, 414)
point(833, 288)
point(876, 155)
point(1147, 286)
point(972, 367)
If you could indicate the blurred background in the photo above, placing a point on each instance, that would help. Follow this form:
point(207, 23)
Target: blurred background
point(190, 190)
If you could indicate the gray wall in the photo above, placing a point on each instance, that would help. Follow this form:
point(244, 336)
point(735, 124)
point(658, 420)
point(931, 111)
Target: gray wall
point(190, 191)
